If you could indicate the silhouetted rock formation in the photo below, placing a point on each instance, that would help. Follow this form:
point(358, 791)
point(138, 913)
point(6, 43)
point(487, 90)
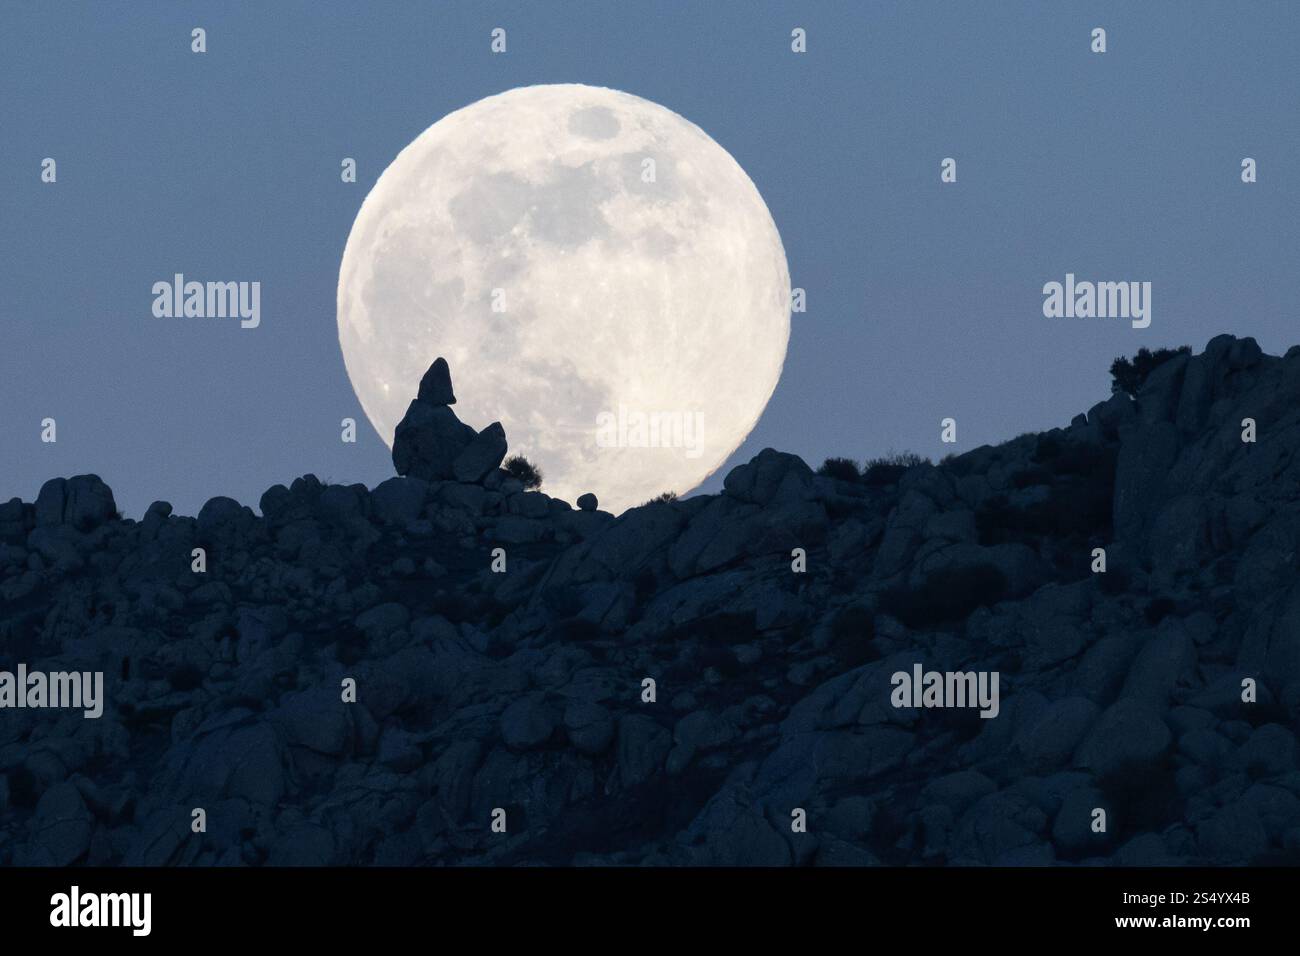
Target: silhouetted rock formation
point(524, 690)
point(432, 444)
point(435, 387)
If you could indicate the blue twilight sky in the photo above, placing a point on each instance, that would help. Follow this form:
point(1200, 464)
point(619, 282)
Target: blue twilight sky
point(924, 299)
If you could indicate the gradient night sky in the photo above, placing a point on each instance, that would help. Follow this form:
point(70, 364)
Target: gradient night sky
point(924, 299)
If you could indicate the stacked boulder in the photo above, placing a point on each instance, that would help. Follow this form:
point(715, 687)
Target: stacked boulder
point(432, 444)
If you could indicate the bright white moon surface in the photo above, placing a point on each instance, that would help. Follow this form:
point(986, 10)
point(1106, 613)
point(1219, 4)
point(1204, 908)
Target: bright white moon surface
point(602, 277)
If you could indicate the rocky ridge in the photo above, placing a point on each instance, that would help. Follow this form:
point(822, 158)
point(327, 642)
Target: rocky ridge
point(524, 690)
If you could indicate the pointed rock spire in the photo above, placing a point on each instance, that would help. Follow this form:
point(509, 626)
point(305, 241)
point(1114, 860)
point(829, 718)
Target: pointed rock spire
point(435, 387)
point(431, 443)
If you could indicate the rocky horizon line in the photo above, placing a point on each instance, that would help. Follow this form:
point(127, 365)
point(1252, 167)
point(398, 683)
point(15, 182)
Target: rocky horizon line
point(427, 422)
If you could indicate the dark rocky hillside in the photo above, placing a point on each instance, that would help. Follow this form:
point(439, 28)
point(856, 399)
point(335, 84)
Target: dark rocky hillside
point(523, 690)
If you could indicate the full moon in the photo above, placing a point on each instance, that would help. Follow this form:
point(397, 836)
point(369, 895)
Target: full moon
point(603, 278)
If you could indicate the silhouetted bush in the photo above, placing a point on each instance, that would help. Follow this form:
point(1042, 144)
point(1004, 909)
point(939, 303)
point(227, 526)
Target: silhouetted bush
point(666, 497)
point(1129, 374)
point(887, 469)
point(883, 474)
point(947, 595)
point(844, 469)
point(906, 459)
point(523, 470)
